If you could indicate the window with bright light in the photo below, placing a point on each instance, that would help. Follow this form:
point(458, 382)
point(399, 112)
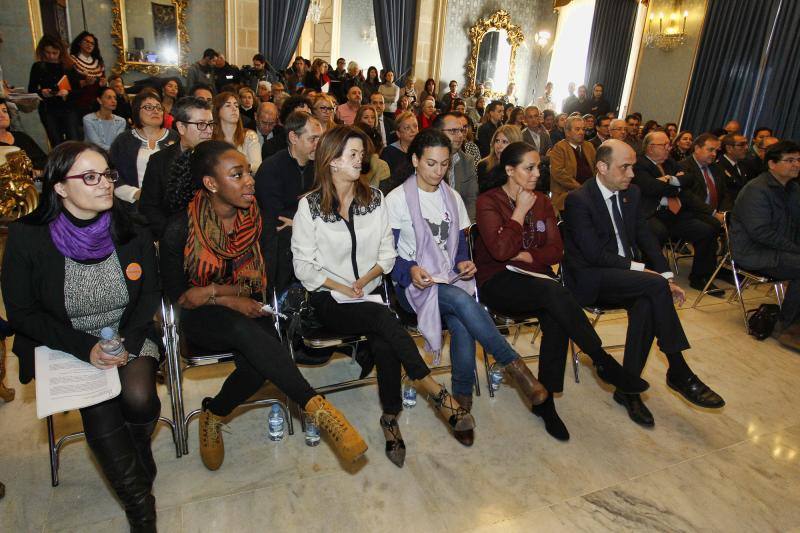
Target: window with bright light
point(570, 47)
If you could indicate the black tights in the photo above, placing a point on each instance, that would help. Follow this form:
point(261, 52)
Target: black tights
point(138, 402)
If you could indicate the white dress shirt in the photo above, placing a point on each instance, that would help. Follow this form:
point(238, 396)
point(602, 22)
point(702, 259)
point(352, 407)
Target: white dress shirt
point(382, 130)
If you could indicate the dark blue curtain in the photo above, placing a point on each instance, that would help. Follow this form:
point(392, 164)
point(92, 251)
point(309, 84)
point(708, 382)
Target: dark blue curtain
point(778, 105)
point(280, 23)
point(729, 61)
point(395, 25)
point(610, 46)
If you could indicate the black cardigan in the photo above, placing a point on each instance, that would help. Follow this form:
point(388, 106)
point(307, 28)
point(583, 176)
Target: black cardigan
point(33, 290)
point(125, 149)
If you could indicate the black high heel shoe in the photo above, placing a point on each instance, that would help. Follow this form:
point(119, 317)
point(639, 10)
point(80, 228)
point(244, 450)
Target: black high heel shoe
point(395, 447)
point(459, 418)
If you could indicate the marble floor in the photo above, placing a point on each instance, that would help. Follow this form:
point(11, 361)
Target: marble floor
point(736, 469)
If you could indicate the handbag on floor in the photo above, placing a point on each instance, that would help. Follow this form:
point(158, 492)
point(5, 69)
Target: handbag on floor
point(761, 321)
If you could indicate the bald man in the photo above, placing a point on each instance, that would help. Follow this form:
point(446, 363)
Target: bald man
point(607, 245)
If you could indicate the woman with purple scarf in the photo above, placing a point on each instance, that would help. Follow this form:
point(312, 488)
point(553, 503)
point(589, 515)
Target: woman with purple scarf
point(77, 265)
point(341, 246)
point(435, 277)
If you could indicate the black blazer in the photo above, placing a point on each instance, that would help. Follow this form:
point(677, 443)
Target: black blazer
point(153, 198)
point(33, 291)
point(735, 178)
point(391, 128)
point(645, 176)
point(591, 244)
point(694, 184)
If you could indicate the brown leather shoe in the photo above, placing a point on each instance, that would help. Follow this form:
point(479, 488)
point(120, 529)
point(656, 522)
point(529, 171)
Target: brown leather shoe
point(212, 448)
point(529, 385)
point(347, 442)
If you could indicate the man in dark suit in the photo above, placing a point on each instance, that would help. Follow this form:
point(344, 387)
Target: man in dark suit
point(702, 178)
point(602, 131)
point(191, 114)
point(534, 133)
point(668, 213)
point(386, 126)
point(606, 239)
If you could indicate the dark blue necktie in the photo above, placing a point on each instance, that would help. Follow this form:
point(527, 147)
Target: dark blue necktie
point(623, 237)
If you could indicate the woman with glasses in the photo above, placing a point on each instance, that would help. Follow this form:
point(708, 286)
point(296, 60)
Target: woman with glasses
point(77, 265)
point(213, 266)
point(20, 139)
point(88, 72)
point(132, 149)
point(518, 246)
point(322, 107)
point(103, 126)
point(503, 136)
point(229, 129)
point(341, 246)
point(434, 275)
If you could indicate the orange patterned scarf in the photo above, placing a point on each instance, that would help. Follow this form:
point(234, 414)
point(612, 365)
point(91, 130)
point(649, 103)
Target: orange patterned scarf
point(208, 248)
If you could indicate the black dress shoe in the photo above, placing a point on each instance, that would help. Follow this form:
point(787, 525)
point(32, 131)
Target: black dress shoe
point(696, 392)
point(552, 422)
point(611, 372)
point(712, 290)
point(637, 410)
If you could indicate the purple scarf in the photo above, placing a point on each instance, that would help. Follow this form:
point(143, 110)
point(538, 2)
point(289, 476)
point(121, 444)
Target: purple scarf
point(425, 302)
point(83, 244)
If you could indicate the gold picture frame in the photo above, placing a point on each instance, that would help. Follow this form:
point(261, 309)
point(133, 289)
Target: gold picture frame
point(499, 20)
point(119, 37)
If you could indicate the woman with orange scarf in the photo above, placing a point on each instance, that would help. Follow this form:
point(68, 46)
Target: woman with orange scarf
point(212, 266)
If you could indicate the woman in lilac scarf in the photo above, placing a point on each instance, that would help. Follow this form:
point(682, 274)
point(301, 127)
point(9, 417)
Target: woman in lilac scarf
point(435, 277)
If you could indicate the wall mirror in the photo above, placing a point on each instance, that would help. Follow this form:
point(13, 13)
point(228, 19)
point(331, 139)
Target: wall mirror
point(494, 49)
point(150, 35)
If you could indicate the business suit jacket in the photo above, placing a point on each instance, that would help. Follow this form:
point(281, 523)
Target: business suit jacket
point(694, 184)
point(591, 242)
point(153, 203)
point(466, 182)
point(485, 133)
point(564, 167)
point(735, 178)
point(391, 128)
point(33, 291)
point(544, 145)
point(645, 176)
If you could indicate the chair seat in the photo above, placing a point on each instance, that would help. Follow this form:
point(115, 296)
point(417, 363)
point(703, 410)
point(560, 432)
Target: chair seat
point(506, 319)
point(322, 338)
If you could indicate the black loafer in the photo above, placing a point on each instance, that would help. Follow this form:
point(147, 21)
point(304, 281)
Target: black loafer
point(712, 290)
point(611, 372)
point(696, 392)
point(637, 410)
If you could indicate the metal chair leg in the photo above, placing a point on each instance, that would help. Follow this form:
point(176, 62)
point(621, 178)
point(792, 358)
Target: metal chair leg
point(575, 360)
point(51, 441)
point(487, 366)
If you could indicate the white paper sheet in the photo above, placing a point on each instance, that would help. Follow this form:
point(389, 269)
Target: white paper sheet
point(344, 299)
point(65, 383)
point(527, 273)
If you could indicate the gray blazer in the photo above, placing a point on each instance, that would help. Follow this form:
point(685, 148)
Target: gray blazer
point(544, 143)
point(465, 182)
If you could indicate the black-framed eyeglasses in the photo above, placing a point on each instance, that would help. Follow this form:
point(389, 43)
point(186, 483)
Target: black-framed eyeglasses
point(325, 108)
point(152, 107)
point(203, 126)
point(456, 131)
point(92, 177)
point(791, 160)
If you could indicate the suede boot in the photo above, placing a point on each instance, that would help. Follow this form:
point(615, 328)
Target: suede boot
point(347, 442)
point(212, 448)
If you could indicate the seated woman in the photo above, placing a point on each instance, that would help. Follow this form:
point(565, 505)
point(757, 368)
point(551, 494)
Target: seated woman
point(212, 266)
point(503, 136)
point(341, 242)
point(322, 106)
point(395, 154)
point(19, 139)
point(247, 106)
point(171, 92)
point(428, 220)
point(103, 126)
point(518, 229)
point(74, 266)
point(229, 129)
point(469, 147)
point(131, 150)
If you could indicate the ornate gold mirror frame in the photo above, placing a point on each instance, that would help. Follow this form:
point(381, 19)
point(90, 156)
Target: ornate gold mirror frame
point(499, 20)
point(119, 36)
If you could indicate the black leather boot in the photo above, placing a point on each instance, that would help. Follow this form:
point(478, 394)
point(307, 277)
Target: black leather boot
point(142, 435)
point(127, 475)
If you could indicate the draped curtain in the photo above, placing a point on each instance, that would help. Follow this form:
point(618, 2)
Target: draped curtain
point(395, 25)
point(610, 46)
point(729, 62)
point(280, 23)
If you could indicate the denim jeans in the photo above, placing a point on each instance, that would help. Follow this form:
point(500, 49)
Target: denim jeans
point(467, 322)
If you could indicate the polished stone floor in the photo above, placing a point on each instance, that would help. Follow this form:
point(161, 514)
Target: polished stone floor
point(736, 469)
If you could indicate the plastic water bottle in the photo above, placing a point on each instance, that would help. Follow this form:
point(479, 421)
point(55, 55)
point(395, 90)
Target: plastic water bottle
point(312, 431)
point(276, 423)
point(409, 395)
point(110, 342)
point(495, 377)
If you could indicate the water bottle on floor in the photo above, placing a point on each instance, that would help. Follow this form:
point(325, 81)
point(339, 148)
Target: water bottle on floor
point(110, 342)
point(276, 423)
point(409, 395)
point(495, 376)
point(312, 431)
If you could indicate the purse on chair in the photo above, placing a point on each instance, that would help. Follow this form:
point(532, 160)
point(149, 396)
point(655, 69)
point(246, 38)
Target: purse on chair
point(761, 321)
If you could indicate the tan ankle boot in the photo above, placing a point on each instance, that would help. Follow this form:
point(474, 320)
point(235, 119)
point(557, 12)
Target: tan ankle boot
point(529, 385)
point(346, 440)
point(212, 448)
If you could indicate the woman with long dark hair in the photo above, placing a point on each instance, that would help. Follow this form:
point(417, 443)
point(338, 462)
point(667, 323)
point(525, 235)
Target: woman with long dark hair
point(88, 72)
point(518, 231)
point(213, 267)
point(229, 128)
point(371, 85)
point(341, 246)
point(171, 92)
point(20, 139)
point(103, 126)
point(46, 74)
point(77, 265)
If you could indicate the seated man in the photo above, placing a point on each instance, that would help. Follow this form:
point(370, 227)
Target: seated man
point(461, 174)
point(765, 231)
point(702, 178)
point(571, 162)
point(267, 125)
point(668, 215)
point(278, 141)
point(730, 162)
point(606, 239)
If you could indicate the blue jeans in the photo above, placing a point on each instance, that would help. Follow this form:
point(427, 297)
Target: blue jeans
point(467, 322)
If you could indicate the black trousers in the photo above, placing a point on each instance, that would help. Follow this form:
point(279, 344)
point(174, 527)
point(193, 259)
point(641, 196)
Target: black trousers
point(702, 232)
point(60, 125)
point(651, 313)
point(560, 317)
point(259, 355)
point(390, 344)
point(788, 268)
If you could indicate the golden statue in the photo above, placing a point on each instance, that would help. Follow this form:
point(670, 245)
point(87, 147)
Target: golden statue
point(18, 194)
